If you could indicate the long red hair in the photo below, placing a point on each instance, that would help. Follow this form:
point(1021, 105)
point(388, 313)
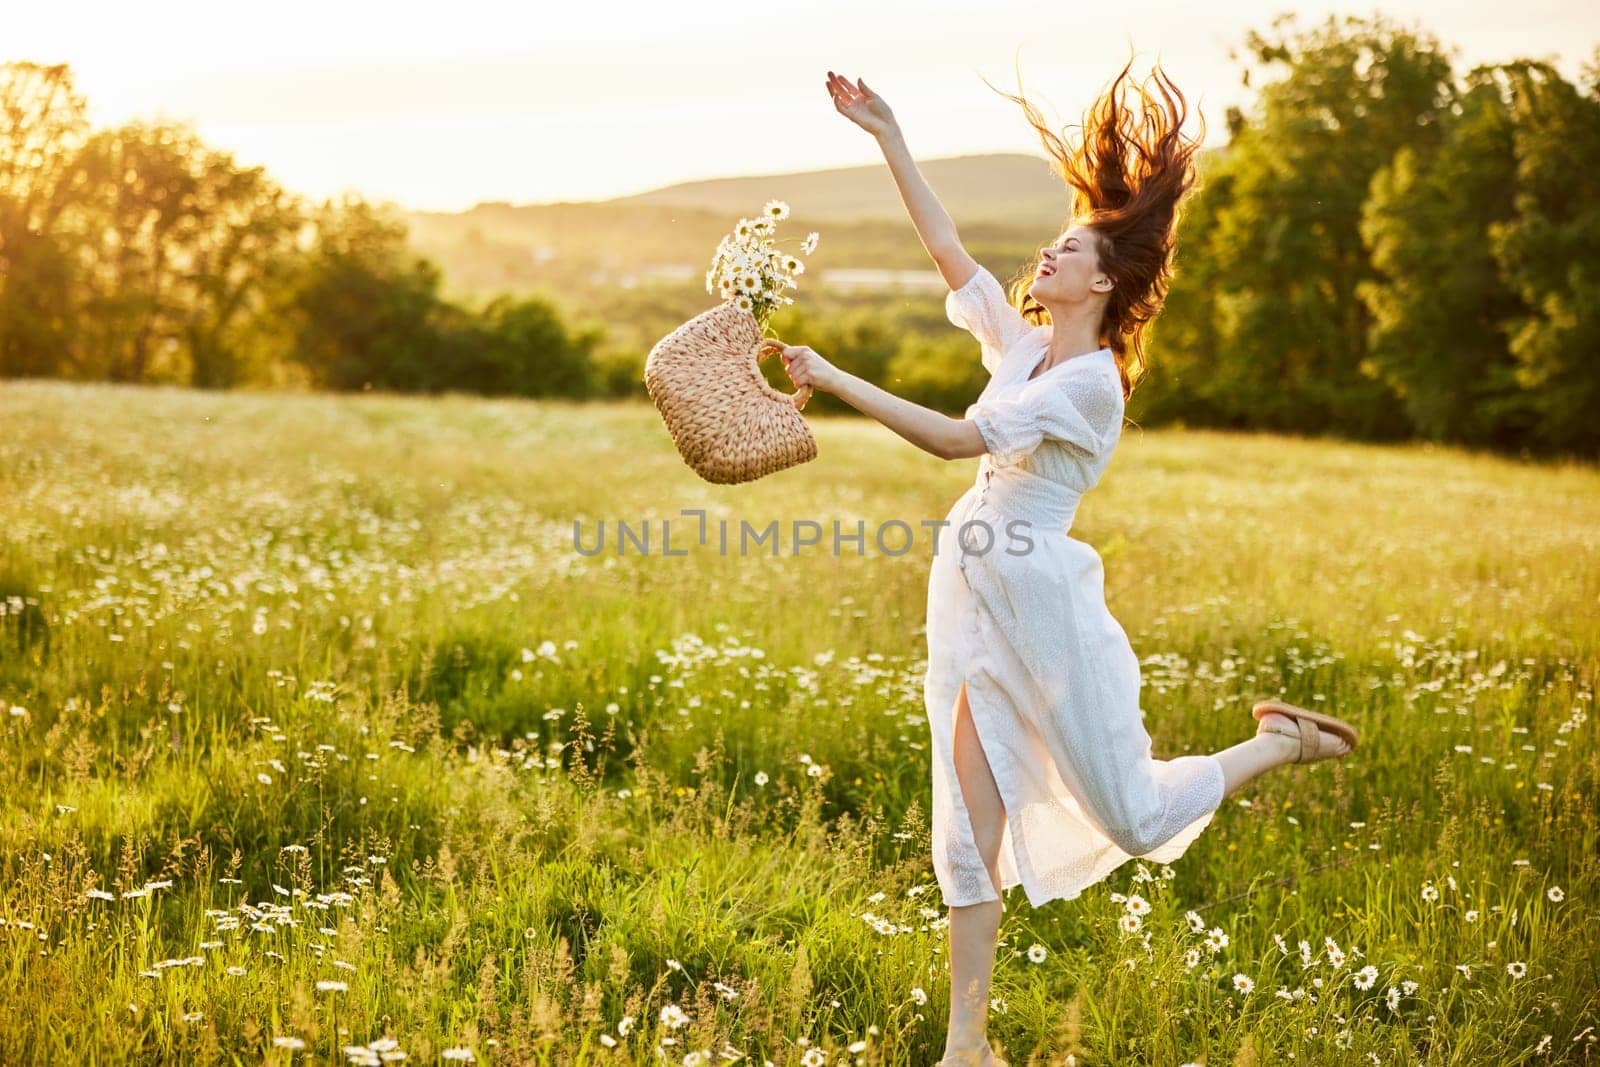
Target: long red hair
point(1129, 170)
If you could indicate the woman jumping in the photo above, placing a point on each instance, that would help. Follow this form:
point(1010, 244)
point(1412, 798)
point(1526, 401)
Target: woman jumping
point(1042, 770)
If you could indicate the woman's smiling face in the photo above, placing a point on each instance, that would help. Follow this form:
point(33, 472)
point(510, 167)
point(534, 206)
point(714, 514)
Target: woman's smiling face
point(1069, 270)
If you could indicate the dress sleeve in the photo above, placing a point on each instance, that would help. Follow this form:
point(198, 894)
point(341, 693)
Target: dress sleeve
point(1082, 409)
point(980, 308)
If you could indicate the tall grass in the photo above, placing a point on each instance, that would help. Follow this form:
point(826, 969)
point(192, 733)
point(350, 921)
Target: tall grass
point(324, 744)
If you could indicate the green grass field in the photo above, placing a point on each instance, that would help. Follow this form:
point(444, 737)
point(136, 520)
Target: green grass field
point(319, 732)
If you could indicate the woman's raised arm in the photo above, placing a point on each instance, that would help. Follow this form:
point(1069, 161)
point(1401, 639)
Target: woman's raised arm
point(867, 109)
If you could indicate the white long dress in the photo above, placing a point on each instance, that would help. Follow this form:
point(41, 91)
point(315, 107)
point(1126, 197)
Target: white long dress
point(1052, 681)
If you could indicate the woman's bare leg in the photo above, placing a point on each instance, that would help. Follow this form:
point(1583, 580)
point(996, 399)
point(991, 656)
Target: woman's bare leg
point(1266, 750)
point(975, 927)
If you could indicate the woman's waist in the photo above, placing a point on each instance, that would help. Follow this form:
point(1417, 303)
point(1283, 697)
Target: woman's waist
point(1020, 494)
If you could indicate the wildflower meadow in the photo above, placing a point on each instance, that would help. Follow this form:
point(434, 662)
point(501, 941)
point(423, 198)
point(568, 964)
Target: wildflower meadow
point(324, 743)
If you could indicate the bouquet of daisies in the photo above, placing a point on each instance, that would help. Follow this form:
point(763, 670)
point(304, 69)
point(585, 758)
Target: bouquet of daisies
point(751, 270)
point(705, 376)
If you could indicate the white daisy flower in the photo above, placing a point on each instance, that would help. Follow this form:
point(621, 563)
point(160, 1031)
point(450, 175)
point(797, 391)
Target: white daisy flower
point(776, 210)
point(809, 245)
point(744, 303)
point(1036, 953)
point(1555, 894)
point(1137, 905)
point(919, 995)
point(1243, 983)
point(1516, 970)
point(1129, 923)
point(1364, 978)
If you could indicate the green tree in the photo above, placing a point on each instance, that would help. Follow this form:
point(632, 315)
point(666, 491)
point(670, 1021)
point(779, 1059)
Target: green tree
point(367, 310)
point(1440, 307)
point(1549, 251)
point(1281, 229)
point(143, 205)
point(42, 127)
point(239, 252)
point(522, 347)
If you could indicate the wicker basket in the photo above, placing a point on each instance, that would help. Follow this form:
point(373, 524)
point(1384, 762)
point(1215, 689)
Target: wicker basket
point(729, 425)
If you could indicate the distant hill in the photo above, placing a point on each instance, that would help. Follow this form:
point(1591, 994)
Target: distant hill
point(1004, 188)
point(1005, 205)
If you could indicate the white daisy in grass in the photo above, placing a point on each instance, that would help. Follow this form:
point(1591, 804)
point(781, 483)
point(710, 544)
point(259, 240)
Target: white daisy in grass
point(919, 995)
point(1471, 916)
point(776, 210)
point(1555, 894)
point(1137, 905)
point(1191, 958)
point(1036, 953)
point(1364, 978)
point(1129, 923)
point(1197, 924)
point(1516, 969)
point(673, 1017)
point(1392, 999)
point(1243, 983)
point(1429, 893)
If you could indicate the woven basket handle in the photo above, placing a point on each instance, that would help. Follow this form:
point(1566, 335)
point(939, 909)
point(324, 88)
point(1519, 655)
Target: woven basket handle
point(764, 348)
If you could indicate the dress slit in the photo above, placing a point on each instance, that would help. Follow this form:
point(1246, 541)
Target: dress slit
point(1007, 839)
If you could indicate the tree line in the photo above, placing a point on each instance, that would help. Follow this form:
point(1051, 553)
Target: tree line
point(1386, 250)
point(1383, 249)
point(141, 254)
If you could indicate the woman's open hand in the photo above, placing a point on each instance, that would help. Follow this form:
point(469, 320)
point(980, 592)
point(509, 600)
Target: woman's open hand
point(805, 367)
point(860, 105)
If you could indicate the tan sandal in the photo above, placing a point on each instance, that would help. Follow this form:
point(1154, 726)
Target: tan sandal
point(1310, 725)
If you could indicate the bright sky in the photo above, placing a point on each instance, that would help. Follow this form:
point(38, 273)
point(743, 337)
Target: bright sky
point(442, 105)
